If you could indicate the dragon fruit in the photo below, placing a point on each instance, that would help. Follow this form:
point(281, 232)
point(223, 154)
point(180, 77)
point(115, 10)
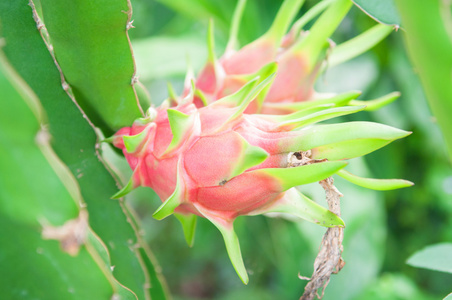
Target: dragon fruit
point(300, 55)
point(219, 163)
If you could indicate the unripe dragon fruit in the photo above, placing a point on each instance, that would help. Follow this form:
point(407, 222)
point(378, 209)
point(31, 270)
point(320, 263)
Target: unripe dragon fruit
point(300, 55)
point(219, 163)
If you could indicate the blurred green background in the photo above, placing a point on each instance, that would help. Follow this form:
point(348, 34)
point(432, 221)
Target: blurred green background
point(383, 228)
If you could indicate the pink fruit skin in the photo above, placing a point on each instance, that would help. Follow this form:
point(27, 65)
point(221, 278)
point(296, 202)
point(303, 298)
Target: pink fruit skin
point(294, 80)
point(207, 159)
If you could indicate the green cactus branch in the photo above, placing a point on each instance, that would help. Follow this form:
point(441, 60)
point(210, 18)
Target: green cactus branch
point(92, 47)
point(45, 220)
point(74, 141)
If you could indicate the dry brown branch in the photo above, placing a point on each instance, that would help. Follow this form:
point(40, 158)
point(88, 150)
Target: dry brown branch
point(329, 259)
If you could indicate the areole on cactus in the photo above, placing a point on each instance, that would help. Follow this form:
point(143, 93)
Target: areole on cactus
point(219, 163)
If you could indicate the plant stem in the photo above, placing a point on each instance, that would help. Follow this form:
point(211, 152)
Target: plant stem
point(329, 259)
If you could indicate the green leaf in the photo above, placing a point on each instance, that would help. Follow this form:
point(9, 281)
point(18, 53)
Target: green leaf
point(74, 141)
point(297, 204)
point(95, 57)
point(375, 184)
point(358, 45)
point(291, 177)
point(436, 257)
point(383, 11)
point(430, 50)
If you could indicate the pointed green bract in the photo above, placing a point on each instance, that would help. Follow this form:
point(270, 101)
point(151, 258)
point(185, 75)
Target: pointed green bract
point(320, 116)
point(378, 103)
point(134, 142)
point(322, 29)
point(309, 15)
point(202, 97)
point(297, 204)
point(296, 115)
point(265, 72)
point(189, 225)
point(211, 43)
point(191, 93)
point(235, 25)
point(238, 97)
point(255, 86)
point(181, 124)
point(250, 97)
point(233, 249)
point(339, 100)
point(170, 204)
point(174, 200)
point(171, 92)
point(349, 149)
point(327, 134)
point(231, 241)
point(125, 190)
point(359, 44)
point(375, 184)
point(284, 17)
point(251, 156)
point(291, 177)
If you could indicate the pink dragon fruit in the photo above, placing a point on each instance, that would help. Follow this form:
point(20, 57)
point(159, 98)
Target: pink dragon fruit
point(219, 163)
point(300, 58)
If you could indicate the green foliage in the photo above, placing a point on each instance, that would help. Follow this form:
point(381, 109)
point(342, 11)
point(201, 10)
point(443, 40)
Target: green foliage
point(430, 49)
point(436, 257)
point(383, 11)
